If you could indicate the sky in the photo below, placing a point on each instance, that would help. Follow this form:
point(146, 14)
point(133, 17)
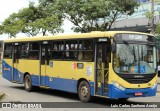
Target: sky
point(8, 7)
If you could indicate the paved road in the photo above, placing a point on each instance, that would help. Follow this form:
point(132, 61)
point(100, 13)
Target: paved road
point(16, 92)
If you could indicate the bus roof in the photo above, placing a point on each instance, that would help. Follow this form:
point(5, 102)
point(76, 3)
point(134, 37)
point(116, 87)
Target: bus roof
point(94, 34)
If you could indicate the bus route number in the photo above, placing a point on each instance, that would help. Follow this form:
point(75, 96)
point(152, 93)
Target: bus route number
point(136, 37)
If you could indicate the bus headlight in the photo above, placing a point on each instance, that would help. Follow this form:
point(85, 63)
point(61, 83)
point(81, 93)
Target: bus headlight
point(154, 85)
point(119, 86)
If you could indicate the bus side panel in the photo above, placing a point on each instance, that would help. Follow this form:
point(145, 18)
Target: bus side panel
point(7, 69)
point(92, 88)
point(35, 80)
point(64, 75)
point(68, 85)
point(31, 67)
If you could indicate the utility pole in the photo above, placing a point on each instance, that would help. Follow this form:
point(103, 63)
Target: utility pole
point(152, 16)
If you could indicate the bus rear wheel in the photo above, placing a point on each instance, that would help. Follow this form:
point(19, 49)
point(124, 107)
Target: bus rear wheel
point(84, 91)
point(28, 83)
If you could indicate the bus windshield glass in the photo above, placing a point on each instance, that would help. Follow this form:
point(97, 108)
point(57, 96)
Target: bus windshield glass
point(133, 58)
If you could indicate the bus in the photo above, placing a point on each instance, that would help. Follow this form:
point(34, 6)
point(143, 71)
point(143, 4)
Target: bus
point(1, 47)
point(110, 64)
point(158, 49)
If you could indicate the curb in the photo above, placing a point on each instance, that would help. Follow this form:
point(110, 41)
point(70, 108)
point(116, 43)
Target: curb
point(1, 96)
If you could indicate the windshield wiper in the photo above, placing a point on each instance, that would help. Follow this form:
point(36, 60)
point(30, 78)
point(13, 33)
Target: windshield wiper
point(134, 55)
point(130, 49)
point(138, 61)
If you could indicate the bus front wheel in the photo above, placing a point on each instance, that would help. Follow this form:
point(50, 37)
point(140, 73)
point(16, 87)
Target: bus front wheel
point(28, 83)
point(84, 91)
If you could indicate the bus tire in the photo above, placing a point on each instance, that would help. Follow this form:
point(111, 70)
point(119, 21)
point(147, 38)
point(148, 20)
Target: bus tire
point(84, 91)
point(28, 83)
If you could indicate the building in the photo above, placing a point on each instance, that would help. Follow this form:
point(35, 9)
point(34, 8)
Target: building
point(138, 20)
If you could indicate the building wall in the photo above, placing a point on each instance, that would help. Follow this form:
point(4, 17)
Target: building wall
point(138, 21)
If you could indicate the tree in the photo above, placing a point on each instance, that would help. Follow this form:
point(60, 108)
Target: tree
point(33, 20)
point(92, 15)
point(49, 20)
point(158, 29)
point(150, 15)
point(1, 29)
point(12, 25)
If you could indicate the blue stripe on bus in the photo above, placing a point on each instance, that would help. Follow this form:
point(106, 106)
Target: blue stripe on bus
point(68, 85)
point(130, 93)
point(6, 71)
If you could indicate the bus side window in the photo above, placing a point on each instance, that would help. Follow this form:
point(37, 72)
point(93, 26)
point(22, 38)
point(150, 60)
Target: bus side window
point(24, 50)
point(34, 50)
point(57, 50)
point(85, 50)
point(8, 50)
point(71, 50)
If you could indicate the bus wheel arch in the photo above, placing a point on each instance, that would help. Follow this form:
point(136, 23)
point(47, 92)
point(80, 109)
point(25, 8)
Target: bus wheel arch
point(83, 89)
point(27, 82)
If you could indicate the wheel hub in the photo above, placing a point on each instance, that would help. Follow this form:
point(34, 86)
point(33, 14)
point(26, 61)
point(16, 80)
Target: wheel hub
point(84, 91)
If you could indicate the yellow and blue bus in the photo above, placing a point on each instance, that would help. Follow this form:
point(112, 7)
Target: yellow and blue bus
point(111, 64)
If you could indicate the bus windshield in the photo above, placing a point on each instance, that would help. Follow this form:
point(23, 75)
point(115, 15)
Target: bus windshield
point(135, 59)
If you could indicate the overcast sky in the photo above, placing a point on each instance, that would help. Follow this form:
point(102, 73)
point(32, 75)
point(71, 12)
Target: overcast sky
point(8, 7)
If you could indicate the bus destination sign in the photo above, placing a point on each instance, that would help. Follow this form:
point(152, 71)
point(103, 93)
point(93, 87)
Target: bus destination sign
point(134, 37)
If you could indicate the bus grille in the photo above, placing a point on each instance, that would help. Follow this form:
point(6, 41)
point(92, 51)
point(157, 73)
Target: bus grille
point(131, 78)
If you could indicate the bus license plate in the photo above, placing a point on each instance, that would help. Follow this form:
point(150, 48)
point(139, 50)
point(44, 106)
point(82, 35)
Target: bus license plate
point(138, 94)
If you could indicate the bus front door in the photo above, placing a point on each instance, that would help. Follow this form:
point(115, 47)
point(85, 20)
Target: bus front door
point(102, 68)
point(15, 57)
point(44, 64)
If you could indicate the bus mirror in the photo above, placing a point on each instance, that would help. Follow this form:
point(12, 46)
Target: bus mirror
point(114, 47)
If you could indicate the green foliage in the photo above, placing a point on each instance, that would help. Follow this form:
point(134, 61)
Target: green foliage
point(12, 25)
point(149, 15)
point(158, 29)
point(1, 29)
point(48, 15)
point(33, 20)
point(90, 15)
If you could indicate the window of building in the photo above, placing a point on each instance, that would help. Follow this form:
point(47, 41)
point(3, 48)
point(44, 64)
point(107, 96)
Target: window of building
point(8, 50)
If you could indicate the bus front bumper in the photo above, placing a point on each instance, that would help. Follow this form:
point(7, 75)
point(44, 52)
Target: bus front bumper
point(115, 92)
